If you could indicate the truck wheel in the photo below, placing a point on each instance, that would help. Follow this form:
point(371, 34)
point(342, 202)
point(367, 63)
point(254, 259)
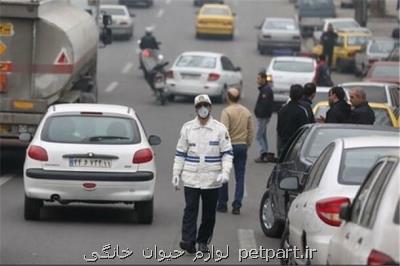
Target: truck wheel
point(32, 208)
point(144, 210)
point(270, 225)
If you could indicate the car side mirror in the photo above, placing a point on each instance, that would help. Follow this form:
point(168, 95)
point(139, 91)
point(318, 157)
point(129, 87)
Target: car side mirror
point(154, 140)
point(25, 137)
point(290, 184)
point(345, 212)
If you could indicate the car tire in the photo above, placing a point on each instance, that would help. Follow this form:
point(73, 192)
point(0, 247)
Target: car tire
point(271, 226)
point(32, 208)
point(144, 210)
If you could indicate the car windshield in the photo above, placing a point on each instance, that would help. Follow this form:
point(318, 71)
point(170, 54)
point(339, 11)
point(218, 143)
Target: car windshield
point(113, 11)
point(382, 47)
point(376, 94)
point(90, 129)
point(357, 40)
point(196, 61)
point(293, 66)
point(322, 137)
point(215, 11)
point(344, 24)
point(279, 25)
point(357, 162)
point(386, 71)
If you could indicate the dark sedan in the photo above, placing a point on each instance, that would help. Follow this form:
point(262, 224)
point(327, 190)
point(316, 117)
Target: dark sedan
point(304, 148)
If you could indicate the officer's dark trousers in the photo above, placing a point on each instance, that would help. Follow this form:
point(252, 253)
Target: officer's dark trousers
point(209, 199)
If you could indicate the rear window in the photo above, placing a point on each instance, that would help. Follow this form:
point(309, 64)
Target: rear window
point(376, 94)
point(293, 66)
point(316, 8)
point(114, 11)
point(356, 163)
point(386, 71)
point(280, 25)
point(91, 129)
point(196, 61)
point(215, 11)
point(322, 137)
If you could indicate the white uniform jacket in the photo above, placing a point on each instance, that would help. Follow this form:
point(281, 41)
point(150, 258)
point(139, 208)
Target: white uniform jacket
point(202, 153)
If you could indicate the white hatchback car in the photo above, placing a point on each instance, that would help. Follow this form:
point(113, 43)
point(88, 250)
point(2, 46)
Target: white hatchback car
point(370, 235)
point(90, 153)
point(122, 23)
point(334, 180)
point(285, 71)
point(209, 73)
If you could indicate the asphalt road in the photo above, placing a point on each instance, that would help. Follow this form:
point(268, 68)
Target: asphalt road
point(65, 235)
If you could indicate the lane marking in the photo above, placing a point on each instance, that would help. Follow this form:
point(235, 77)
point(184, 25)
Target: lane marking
point(160, 13)
point(112, 86)
point(127, 67)
point(5, 179)
point(246, 239)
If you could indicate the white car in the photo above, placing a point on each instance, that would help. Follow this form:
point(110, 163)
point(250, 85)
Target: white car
point(334, 180)
point(90, 153)
point(371, 230)
point(196, 73)
point(122, 23)
point(284, 71)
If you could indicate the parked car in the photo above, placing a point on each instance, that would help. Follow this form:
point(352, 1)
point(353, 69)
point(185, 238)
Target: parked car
point(278, 33)
point(387, 72)
point(312, 12)
point(376, 49)
point(303, 149)
point(369, 235)
point(334, 180)
point(384, 115)
point(129, 3)
point(122, 23)
point(283, 71)
point(195, 73)
point(202, 2)
point(214, 19)
point(92, 153)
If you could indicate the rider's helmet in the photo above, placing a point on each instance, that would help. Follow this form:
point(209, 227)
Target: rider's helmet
point(149, 30)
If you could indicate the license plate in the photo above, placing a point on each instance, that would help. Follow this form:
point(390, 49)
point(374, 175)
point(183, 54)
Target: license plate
point(186, 76)
point(89, 162)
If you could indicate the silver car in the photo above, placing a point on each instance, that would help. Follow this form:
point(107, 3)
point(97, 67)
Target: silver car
point(278, 33)
point(122, 23)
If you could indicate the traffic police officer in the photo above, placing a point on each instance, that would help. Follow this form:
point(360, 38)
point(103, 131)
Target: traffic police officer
point(203, 161)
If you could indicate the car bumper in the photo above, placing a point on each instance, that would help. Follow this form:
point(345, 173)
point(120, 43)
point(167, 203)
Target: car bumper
point(215, 30)
point(122, 30)
point(295, 45)
point(190, 89)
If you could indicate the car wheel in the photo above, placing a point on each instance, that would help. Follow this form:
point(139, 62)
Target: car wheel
point(145, 211)
point(32, 208)
point(271, 226)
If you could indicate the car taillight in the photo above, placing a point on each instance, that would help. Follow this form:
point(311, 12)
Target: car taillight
point(38, 153)
point(213, 76)
point(379, 258)
point(328, 209)
point(146, 53)
point(170, 74)
point(143, 156)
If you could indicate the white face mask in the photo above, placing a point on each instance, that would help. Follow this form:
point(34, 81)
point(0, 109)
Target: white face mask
point(203, 112)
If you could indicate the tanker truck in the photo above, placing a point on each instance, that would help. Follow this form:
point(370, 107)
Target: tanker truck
point(48, 55)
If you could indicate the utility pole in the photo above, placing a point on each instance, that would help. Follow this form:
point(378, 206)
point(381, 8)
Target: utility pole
point(361, 12)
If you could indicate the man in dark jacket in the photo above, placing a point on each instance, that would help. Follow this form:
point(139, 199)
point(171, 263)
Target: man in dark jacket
point(340, 110)
point(309, 91)
point(328, 41)
point(263, 111)
point(148, 41)
point(362, 112)
point(291, 117)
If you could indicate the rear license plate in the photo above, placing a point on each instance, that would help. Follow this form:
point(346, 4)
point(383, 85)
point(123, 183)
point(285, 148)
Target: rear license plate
point(89, 162)
point(189, 76)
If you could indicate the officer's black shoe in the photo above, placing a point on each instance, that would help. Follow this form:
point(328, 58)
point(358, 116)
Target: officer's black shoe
point(222, 209)
point(203, 248)
point(188, 247)
point(236, 211)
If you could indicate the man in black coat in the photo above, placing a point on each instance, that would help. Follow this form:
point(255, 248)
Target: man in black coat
point(306, 101)
point(340, 110)
point(291, 117)
point(148, 41)
point(328, 41)
point(362, 112)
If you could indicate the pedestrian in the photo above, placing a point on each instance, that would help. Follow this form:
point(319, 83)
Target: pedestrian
point(328, 41)
point(291, 117)
point(309, 91)
point(263, 111)
point(362, 112)
point(203, 161)
point(239, 124)
point(340, 110)
point(323, 73)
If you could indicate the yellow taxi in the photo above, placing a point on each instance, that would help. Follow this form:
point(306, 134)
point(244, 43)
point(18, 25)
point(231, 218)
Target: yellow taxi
point(349, 42)
point(215, 19)
point(384, 115)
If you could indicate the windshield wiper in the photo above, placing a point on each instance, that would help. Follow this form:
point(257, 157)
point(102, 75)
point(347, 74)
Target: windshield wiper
point(100, 138)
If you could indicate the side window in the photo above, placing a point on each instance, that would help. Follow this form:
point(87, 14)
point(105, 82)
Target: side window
point(294, 149)
point(362, 193)
point(369, 212)
point(227, 65)
point(394, 94)
point(318, 168)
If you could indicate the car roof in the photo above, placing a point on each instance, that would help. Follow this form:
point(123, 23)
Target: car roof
point(370, 141)
point(216, 6)
point(202, 53)
point(113, 6)
point(373, 105)
point(328, 20)
point(318, 126)
point(90, 107)
point(366, 83)
point(279, 19)
point(293, 58)
point(355, 31)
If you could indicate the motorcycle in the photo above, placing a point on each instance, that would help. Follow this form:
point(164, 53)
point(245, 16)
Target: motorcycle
point(148, 59)
point(156, 78)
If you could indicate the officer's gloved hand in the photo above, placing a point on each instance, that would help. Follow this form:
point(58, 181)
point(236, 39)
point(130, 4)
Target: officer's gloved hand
point(222, 178)
point(175, 182)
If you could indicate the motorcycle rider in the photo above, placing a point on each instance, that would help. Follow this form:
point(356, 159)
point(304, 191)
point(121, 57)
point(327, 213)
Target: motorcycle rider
point(148, 41)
